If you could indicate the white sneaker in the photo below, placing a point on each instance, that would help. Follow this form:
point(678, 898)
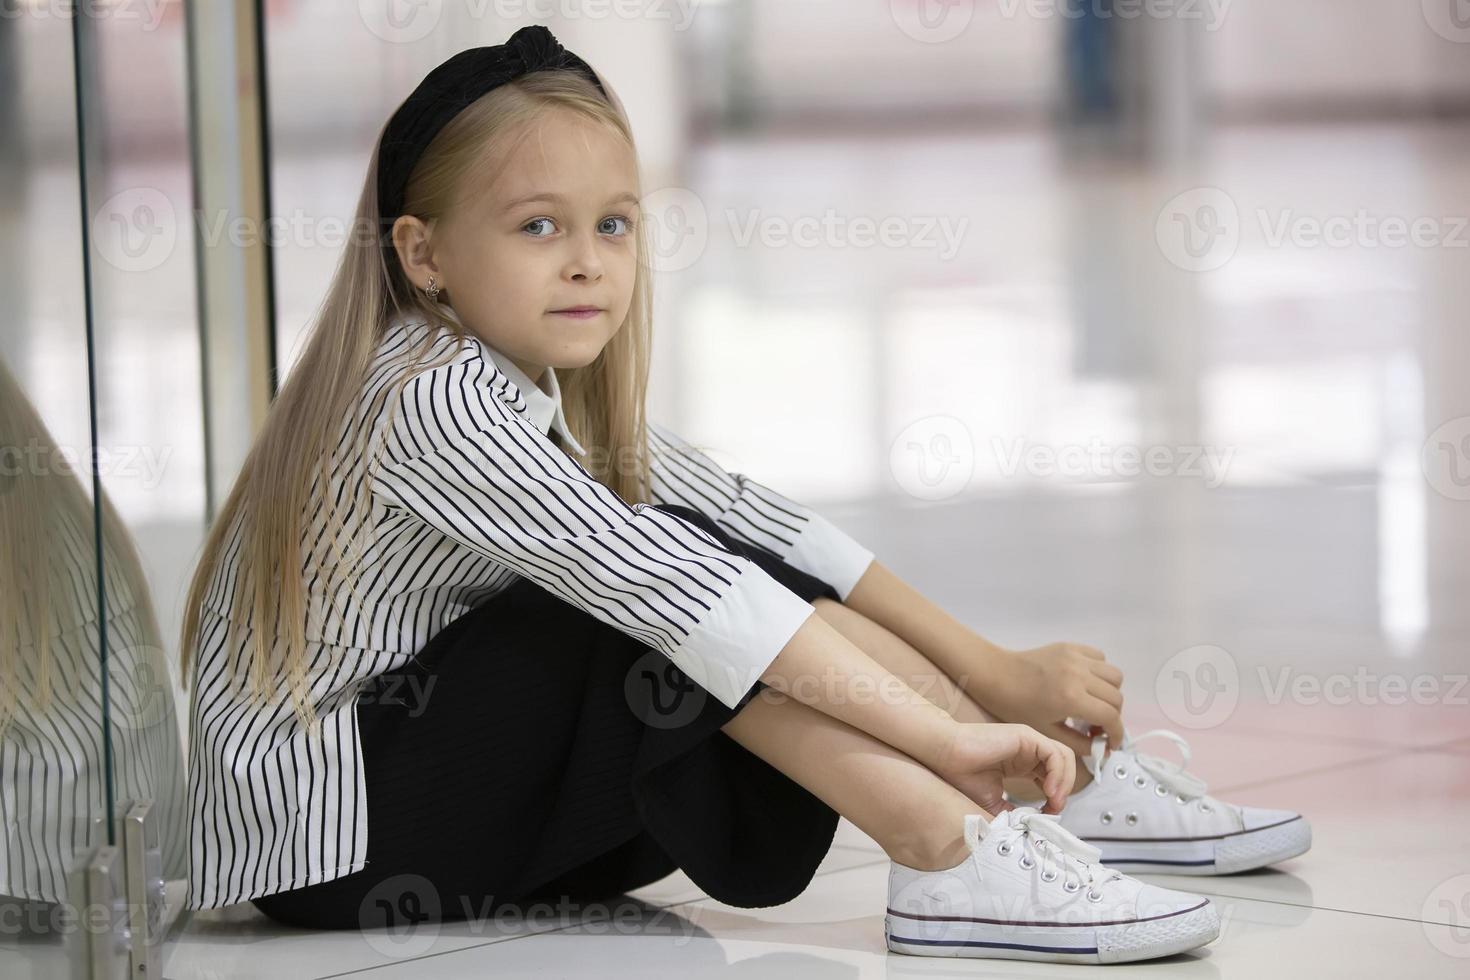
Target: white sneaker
point(1029, 890)
point(1147, 815)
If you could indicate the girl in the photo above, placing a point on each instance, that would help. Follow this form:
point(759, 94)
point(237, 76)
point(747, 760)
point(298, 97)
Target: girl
point(525, 642)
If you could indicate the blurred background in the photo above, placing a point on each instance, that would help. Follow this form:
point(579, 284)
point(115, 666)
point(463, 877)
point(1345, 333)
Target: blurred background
point(1139, 323)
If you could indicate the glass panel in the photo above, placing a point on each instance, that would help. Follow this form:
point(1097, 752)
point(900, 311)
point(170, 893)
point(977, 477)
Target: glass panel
point(53, 755)
point(149, 402)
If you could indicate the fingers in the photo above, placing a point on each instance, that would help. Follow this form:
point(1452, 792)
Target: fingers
point(1108, 672)
point(1070, 737)
point(1104, 691)
point(1099, 712)
point(1059, 764)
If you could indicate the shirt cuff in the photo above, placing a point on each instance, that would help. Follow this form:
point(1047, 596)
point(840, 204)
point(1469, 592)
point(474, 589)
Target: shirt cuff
point(736, 640)
point(831, 554)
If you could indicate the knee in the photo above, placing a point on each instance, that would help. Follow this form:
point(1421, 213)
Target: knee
point(827, 608)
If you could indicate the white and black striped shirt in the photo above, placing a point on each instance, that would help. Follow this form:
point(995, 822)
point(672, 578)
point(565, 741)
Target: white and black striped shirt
point(471, 495)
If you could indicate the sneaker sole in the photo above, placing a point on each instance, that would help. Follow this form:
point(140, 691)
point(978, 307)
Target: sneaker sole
point(1120, 942)
point(1219, 855)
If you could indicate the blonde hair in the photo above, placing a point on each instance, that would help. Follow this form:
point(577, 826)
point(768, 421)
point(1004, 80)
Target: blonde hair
point(48, 572)
point(305, 433)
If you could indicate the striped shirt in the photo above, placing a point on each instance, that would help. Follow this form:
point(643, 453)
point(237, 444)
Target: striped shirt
point(471, 495)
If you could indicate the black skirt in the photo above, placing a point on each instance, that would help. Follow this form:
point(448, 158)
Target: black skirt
point(549, 756)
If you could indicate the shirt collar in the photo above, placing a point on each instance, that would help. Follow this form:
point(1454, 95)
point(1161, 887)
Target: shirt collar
point(543, 406)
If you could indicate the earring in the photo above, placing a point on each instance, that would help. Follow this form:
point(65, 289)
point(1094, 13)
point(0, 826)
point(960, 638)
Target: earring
point(432, 289)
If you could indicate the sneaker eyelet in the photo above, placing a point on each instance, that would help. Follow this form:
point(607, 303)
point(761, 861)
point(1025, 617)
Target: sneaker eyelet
point(1132, 819)
point(1140, 782)
point(1071, 886)
point(1161, 790)
point(1093, 896)
point(1049, 875)
point(1205, 807)
point(1003, 849)
point(1107, 816)
point(1180, 799)
point(1120, 772)
point(1027, 863)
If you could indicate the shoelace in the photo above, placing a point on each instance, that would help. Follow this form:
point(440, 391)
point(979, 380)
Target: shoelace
point(1167, 773)
point(1049, 839)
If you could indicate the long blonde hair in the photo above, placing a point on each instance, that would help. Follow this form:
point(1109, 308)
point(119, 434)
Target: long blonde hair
point(304, 436)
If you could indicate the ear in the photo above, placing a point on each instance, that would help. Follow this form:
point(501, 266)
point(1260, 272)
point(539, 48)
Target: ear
point(412, 242)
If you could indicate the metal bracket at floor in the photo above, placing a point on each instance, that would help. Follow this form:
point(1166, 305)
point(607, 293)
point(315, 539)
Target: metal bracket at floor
point(118, 893)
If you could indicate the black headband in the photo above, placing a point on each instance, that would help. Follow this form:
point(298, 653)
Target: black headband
point(447, 89)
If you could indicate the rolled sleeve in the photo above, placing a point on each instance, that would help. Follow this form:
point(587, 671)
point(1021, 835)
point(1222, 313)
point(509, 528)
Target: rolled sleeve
point(496, 485)
point(754, 513)
point(729, 650)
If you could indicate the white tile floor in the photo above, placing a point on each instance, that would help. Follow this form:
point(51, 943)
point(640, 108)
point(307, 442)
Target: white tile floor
point(1325, 551)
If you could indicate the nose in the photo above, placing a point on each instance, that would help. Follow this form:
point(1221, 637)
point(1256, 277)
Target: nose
point(584, 263)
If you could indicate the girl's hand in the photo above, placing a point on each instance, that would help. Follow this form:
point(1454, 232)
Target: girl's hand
point(979, 757)
point(1044, 686)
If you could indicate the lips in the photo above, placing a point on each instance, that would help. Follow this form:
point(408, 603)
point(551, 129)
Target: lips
point(579, 309)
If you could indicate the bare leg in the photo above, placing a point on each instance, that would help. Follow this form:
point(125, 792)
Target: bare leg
point(920, 673)
point(914, 815)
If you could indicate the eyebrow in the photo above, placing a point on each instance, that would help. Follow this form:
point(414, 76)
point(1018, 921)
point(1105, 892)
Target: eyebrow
point(626, 196)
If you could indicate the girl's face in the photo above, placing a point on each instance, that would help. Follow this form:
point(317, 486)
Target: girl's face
point(554, 230)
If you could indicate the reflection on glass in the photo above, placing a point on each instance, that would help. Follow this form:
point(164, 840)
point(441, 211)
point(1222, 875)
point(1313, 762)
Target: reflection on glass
point(55, 757)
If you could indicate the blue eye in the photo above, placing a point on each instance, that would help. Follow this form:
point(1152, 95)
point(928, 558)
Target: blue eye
point(602, 226)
